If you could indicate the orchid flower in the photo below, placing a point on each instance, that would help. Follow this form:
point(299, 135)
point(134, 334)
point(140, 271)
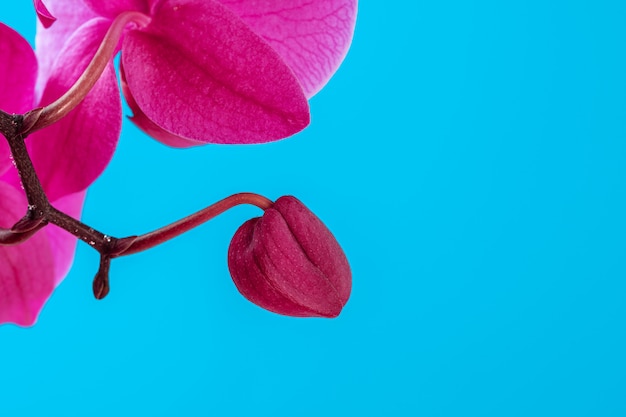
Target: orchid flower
point(193, 72)
point(202, 71)
point(29, 271)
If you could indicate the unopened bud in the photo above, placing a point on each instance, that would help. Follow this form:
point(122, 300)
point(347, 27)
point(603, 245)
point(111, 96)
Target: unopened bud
point(288, 262)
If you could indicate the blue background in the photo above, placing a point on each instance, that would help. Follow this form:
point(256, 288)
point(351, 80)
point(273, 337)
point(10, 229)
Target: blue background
point(469, 156)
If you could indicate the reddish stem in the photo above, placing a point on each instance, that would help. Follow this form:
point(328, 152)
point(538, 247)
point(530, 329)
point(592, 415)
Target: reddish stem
point(156, 237)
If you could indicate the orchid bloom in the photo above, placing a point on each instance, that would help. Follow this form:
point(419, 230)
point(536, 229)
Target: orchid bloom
point(193, 72)
point(29, 271)
point(202, 71)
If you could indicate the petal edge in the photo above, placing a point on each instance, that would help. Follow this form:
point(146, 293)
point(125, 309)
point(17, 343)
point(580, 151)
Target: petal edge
point(199, 72)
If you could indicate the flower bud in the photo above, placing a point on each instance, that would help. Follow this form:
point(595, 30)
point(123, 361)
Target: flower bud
point(288, 262)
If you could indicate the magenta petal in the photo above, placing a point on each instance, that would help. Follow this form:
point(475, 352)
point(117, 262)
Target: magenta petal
point(148, 126)
point(49, 42)
point(155, 131)
point(199, 72)
point(312, 37)
point(45, 17)
point(27, 273)
point(70, 154)
point(111, 8)
point(18, 70)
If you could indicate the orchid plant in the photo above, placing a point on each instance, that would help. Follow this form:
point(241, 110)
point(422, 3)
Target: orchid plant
point(192, 72)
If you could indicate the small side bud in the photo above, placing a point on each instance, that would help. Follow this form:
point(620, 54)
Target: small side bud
point(30, 119)
point(27, 224)
point(101, 281)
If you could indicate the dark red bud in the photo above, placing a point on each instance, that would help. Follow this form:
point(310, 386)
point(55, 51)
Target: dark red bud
point(101, 281)
point(288, 262)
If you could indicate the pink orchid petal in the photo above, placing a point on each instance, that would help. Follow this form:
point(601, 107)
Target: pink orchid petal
point(49, 42)
point(70, 154)
point(62, 243)
point(150, 128)
point(111, 8)
point(312, 37)
point(27, 273)
point(45, 17)
point(199, 72)
point(18, 71)
point(11, 177)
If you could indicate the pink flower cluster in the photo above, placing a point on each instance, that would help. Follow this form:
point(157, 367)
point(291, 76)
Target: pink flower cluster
point(193, 72)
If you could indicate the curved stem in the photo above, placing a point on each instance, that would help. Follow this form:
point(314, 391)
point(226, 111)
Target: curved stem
point(68, 101)
point(154, 238)
point(111, 247)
